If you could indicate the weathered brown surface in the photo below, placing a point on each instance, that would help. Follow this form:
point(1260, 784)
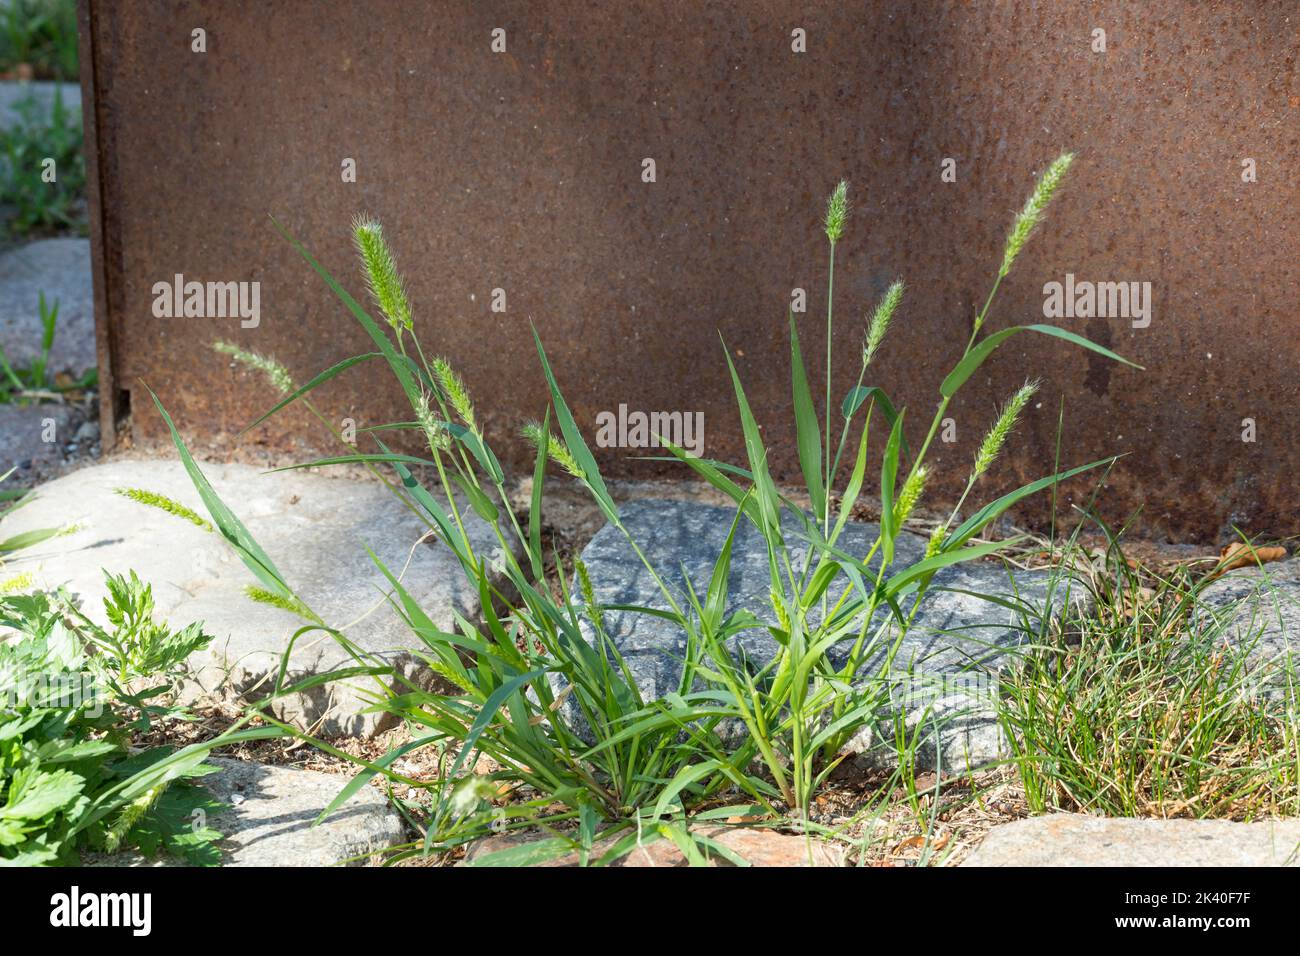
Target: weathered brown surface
point(522, 171)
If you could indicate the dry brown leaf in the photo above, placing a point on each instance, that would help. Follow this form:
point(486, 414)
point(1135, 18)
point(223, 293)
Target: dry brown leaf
point(918, 841)
point(1241, 555)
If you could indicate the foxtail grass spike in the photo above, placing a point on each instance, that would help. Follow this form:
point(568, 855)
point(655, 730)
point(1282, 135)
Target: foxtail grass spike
point(261, 595)
point(837, 212)
point(434, 432)
point(1002, 428)
point(386, 286)
point(1032, 214)
point(275, 373)
point(454, 390)
point(154, 500)
point(936, 541)
point(913, 488)
point(556, 450)
point(880, 320)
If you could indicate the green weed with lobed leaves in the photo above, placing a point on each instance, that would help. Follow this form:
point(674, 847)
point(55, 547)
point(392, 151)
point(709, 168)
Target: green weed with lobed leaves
point(72, 697)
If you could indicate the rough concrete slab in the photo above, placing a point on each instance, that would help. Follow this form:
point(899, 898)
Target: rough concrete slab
point(1070, 839)
point(61, 269)
point(1259, 609)
point(15, 93)
point(755, 846)
point(269, 816)
point(941, 669)
point(315, 528)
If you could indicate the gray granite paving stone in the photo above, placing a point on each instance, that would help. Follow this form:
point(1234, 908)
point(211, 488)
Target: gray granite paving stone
point(269, 817)
point(956, 642)
point(1070, 839)
point(14, 93)
point(314, 528)
point(61, 269)
point(23, 430)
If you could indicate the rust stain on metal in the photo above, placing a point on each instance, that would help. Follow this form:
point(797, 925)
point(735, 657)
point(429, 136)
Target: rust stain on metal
point(521, 171)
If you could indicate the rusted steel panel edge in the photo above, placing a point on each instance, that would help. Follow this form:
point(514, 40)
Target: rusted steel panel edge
point(110, 397)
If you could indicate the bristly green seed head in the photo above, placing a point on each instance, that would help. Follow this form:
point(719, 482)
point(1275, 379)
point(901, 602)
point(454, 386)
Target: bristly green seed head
point(263, 596)
point(385, 283)
point(1032, 214)
point(1001, 430)
point(434, 432)
point(589, 594)
point(19, 582)
point(154, 500)
point(556, 450)
point(880, 321)
point(454, 391)
point(913, 488)
point(131, 815)
point(275, 373)
point(837, 211)
point(936, 541)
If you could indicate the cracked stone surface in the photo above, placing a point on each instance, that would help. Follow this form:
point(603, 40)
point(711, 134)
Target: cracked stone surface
point(269, 816)
point(1259, 608)
point(315, 528)
point(61, 269)
point(1072, 839)
point(943, 662)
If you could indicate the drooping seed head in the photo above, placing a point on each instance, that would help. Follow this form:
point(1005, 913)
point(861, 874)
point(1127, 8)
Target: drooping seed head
point(382, 278)
point(997, 436)
point(454, 391)
point(880, 321)
point(261, 595)
point(837, 212)
point(275, 373)
point(1032, 214)
point(153, 499)
point(556, 450)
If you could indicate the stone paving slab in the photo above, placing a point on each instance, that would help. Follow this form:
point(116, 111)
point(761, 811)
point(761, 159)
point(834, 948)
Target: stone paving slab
point(61, 269)
point(270, 814)
point(14, 93)
point(1069, 839)
point(314, 528)
point(23, 430)
point(955, 642)
point(1260, 609)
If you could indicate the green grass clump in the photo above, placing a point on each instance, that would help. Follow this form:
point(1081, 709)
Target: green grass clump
point(39, 36)
point(33, 383)
point(539, 686)
point(36, 206)
point(1150, 707)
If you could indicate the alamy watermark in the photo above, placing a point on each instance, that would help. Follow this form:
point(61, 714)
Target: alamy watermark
point(625, 429)
point(70, 690)
point(1073, 299)
point(208, 300)
point(75, 908)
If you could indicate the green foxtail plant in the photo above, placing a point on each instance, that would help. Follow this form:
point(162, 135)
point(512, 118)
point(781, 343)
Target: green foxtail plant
point(538, 684)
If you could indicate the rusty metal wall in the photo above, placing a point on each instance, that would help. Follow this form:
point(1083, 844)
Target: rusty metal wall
point(522, 171)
